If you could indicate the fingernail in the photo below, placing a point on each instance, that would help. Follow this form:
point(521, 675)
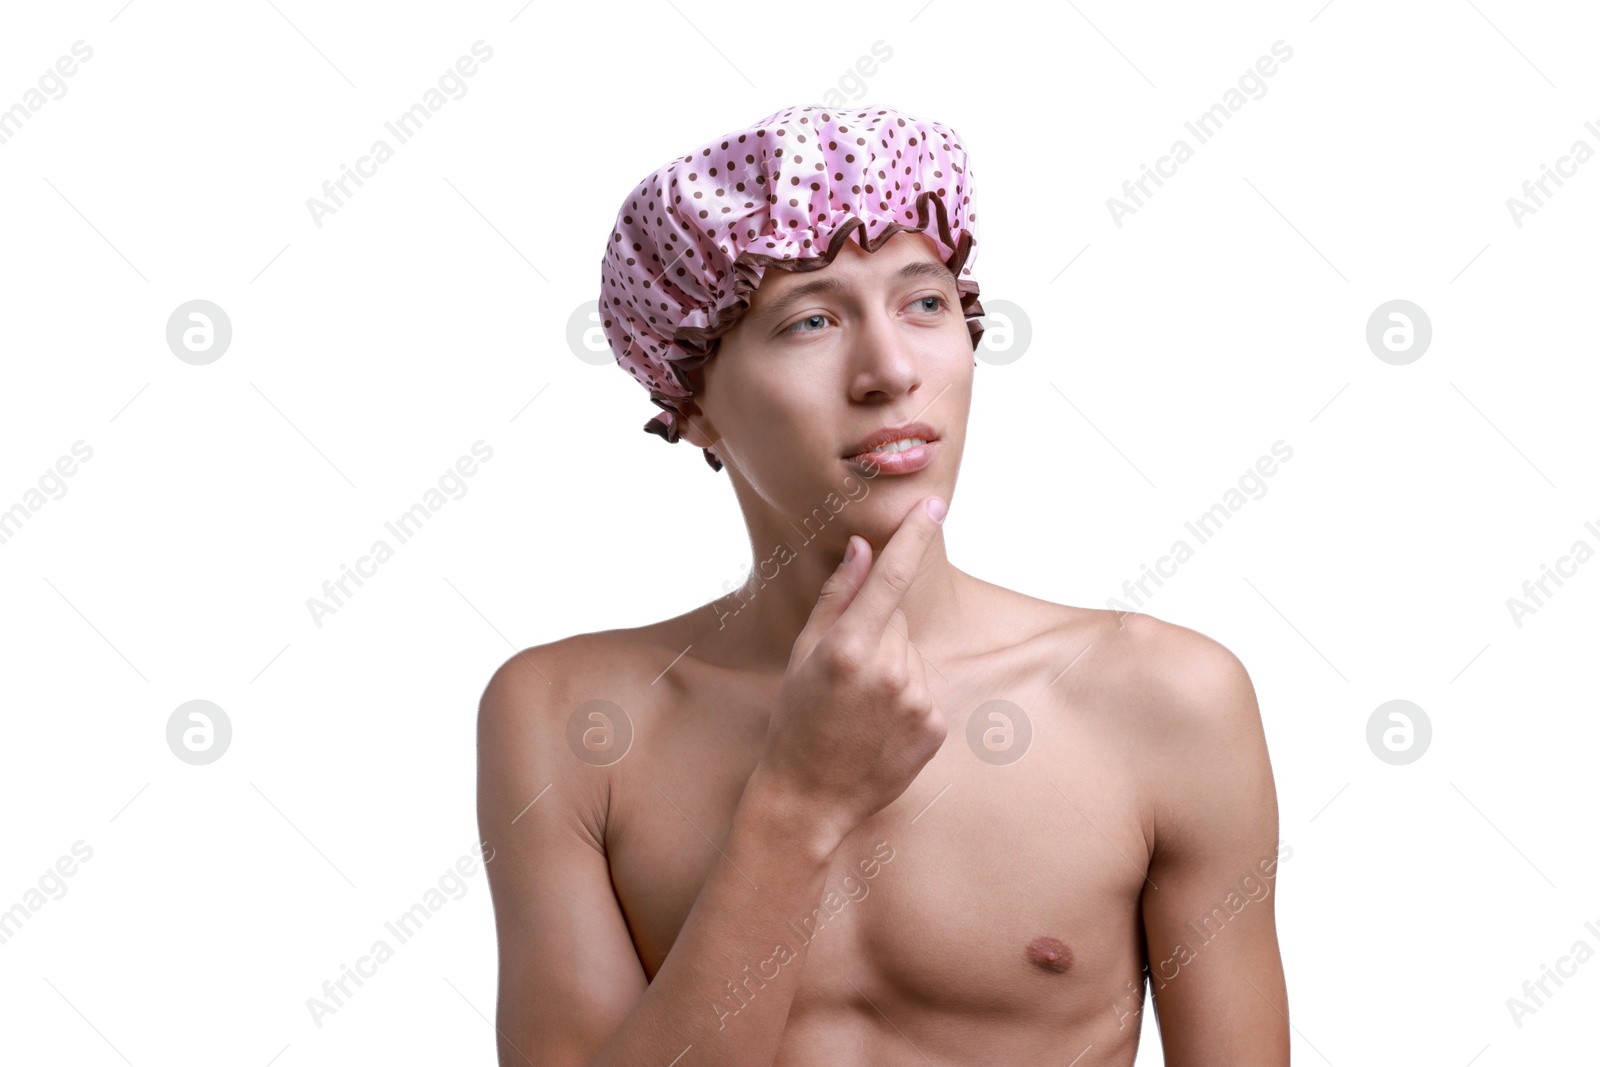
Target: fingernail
point(850, 549)
point(937, 509)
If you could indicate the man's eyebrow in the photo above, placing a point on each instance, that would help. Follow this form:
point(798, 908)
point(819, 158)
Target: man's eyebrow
point(919, 269)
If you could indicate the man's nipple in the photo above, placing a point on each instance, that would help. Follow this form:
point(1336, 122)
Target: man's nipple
point(1050, 954)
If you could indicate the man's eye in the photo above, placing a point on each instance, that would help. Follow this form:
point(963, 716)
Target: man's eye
point(802, 322)
point(939, 302)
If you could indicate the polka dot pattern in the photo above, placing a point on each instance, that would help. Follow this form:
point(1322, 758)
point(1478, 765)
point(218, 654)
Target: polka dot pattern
point(694, 238)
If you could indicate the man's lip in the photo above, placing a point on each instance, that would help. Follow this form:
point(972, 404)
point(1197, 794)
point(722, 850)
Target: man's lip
point(892, 433)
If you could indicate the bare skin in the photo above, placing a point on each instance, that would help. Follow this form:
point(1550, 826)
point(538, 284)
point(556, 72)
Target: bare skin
point(725, 888)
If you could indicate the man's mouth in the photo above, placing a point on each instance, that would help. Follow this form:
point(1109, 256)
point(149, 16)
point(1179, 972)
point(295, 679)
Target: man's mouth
point(891, 440)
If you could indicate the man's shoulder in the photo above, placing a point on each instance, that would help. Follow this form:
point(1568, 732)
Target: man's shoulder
point(1169, 644)
point(1171, 672)
point(583, 665)
point(1134, 637)
point(574, 694)
point(560, 663)
point(1184, 681)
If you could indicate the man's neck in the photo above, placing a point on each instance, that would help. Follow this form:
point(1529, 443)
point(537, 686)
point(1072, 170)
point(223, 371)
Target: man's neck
point(755, 627)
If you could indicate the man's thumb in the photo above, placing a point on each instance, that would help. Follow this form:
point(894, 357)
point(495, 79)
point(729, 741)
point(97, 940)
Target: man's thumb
point(846, 579)
point(837, 593)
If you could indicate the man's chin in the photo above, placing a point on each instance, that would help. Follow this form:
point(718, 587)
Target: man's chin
point(874, 510)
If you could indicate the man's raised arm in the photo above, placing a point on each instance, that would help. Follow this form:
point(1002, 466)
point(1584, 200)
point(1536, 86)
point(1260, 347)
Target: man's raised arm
point(572, 991)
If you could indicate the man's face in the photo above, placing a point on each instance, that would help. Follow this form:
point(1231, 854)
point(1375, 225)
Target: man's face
point(824, 358)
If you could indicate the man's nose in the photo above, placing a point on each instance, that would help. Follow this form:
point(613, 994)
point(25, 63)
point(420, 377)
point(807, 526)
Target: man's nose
point(886, 358)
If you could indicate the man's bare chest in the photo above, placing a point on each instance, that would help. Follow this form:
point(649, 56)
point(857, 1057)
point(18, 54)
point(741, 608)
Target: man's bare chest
point(1004, 882)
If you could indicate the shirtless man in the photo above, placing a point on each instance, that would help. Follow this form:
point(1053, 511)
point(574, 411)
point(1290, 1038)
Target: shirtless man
point(874, 811)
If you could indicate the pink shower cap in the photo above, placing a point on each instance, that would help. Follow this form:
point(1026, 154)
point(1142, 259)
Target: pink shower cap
point(694, 238)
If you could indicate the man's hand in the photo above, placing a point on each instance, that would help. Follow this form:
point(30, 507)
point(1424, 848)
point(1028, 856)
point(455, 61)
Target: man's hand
point(855, 721)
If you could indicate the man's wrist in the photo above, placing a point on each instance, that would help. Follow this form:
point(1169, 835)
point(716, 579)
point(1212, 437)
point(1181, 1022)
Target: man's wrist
point(780, 815)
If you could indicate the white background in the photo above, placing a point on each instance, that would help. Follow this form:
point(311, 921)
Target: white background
point(432, 311)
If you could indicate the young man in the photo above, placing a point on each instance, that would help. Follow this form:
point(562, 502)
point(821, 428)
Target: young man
point(869, 810)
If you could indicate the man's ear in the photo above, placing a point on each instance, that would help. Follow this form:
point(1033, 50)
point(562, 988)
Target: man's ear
point(697, 430)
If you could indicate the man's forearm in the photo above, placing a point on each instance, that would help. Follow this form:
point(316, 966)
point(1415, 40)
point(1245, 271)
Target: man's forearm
point(727, 984)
